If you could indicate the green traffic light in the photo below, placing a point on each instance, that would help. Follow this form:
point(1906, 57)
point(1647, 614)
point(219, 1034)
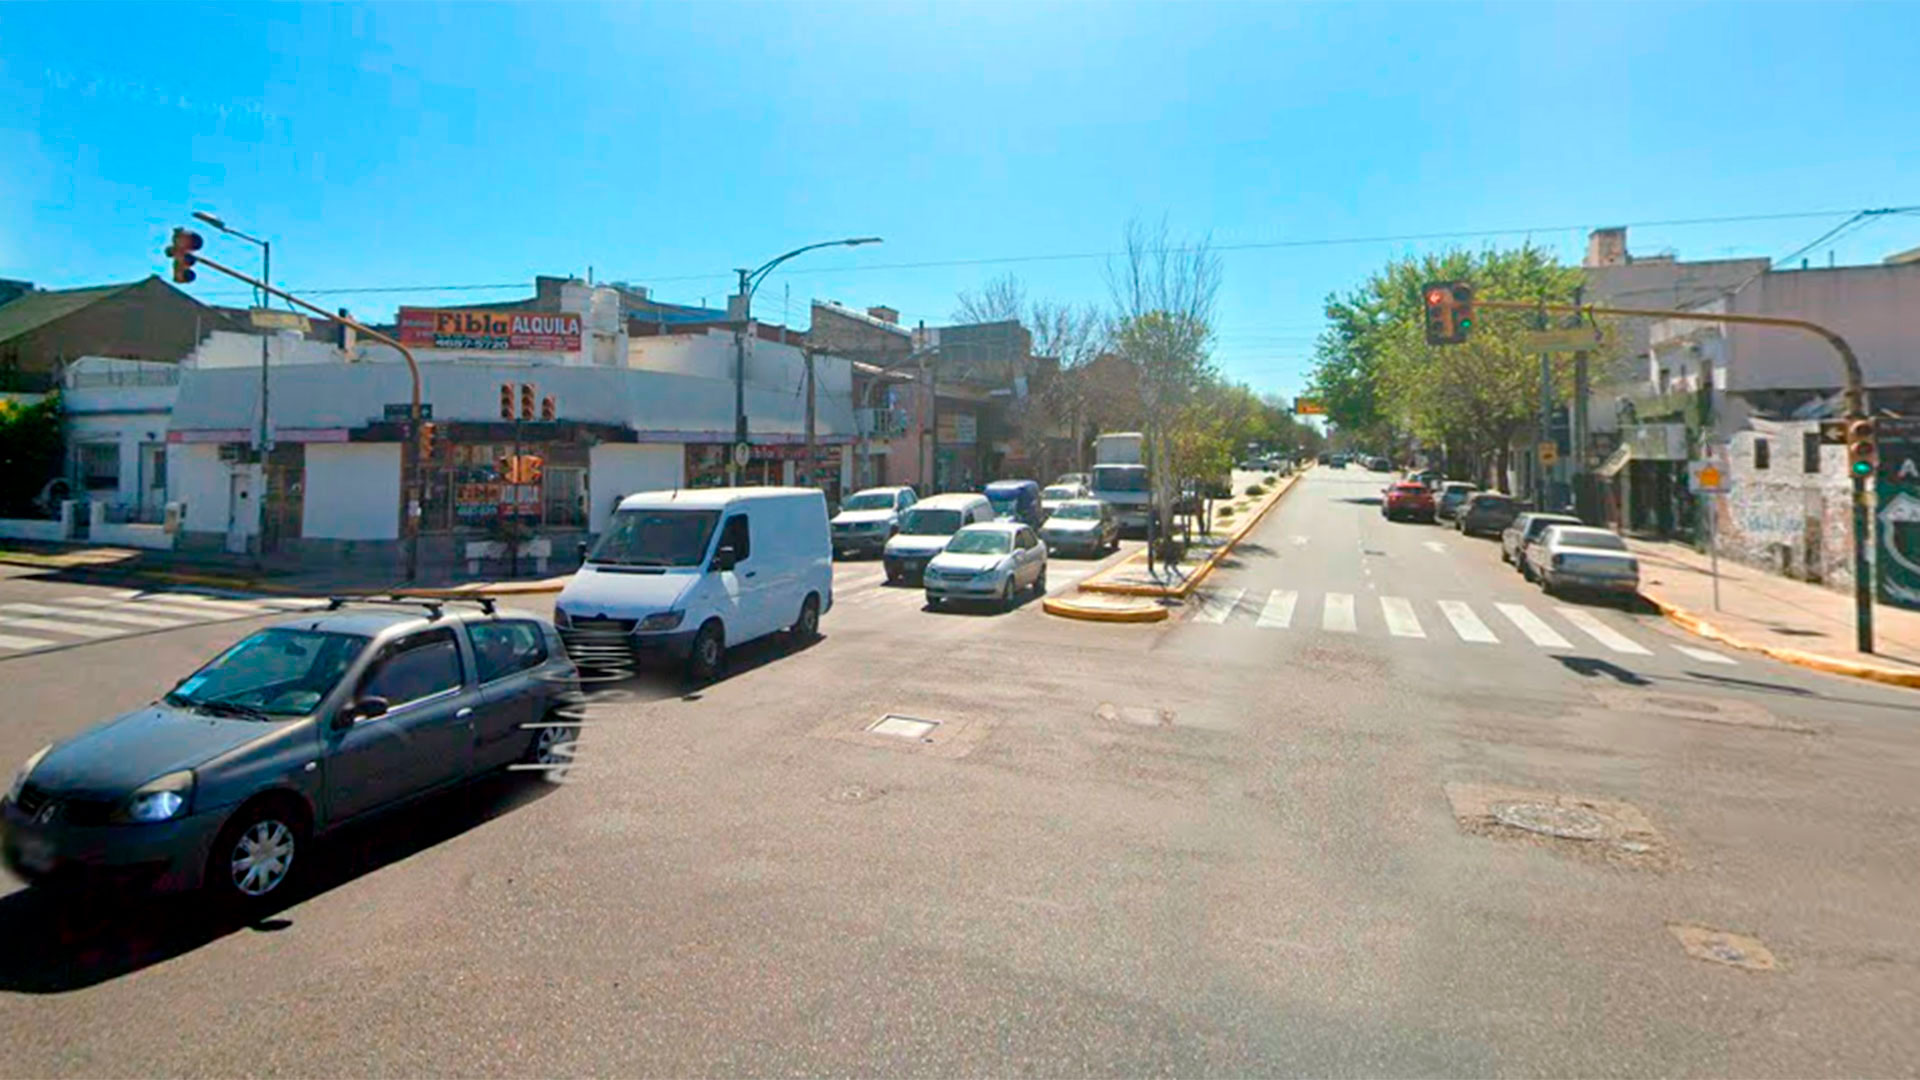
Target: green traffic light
point(1862, 468)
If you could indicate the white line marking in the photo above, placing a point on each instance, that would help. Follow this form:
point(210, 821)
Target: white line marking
point(1434, 546)
point(1534, 627)
point(1601, 632)
point(1298, 541)
point(192, 612)
point(75, 629)
point(209, 602)
point(1466, 623)
point(1705, 655)
point(1217, 606)
point(1338, 616)
point(1278, 612)
point(1401, 621)
point(96, 614)
point(8, 641)
point(104, 596)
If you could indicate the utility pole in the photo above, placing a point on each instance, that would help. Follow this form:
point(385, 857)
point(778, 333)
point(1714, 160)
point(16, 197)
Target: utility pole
point(1540, 486)
point(264, 446)
point(1577, 434)
point(807, 479)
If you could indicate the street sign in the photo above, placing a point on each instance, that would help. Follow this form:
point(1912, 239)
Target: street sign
point(1549, 452)
point(742, 454)
point(267, 319)
point(1575, 339)
point(1707, 477)
point(404, 411)
point(1306, 406)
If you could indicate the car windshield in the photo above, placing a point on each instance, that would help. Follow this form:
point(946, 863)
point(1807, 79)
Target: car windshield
point(1128, 478)
point(1079, 510)
point(1004, 504)
point(931, 522)
point(981, 542)
point(656, 538)
point(1589, 538)
point(276, 672)
point(869, 500)
point(1062, 492)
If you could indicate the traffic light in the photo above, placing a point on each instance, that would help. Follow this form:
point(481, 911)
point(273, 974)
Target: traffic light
point(506, 402)
point(548, 410)
point(427, 434)
point(1863, 449)
point(1448, 311)
point(532, 467)
point(185, 243)
point(526, 401)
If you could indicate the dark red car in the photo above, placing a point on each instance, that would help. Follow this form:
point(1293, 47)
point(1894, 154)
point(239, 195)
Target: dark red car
point(1405, 500)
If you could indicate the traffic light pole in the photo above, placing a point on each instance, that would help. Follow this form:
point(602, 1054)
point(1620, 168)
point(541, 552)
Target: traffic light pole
point(411, 462)
point(1856, 397)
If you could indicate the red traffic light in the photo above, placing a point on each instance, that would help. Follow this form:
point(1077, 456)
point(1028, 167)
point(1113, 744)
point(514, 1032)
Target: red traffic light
point(549, 410)
point(506, 401)
point(526, 401)
point(1436, 297)
point(180, 250)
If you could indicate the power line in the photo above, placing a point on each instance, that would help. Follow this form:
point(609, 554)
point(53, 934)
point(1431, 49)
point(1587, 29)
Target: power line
point(1269, 245)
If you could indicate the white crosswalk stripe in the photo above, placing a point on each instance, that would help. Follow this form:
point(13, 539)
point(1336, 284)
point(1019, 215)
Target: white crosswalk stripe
point(1401, 621)
point(1602, 633)
point(1706, 656)
point(112, 613)
point(1338, 615)
point(8, 641)
point(96, 614)
point(50, 626)
point(1534, 627)
point(1215, 607)
point(1466, 623)
point(1278, 612)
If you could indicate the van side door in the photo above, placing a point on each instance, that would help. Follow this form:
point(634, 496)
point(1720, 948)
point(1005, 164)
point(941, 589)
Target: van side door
point(742, 593)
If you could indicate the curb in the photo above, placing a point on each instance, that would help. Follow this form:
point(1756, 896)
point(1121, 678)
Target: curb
point(1694, 624)
point(1192, 582)
point(1132, 613)
point(453, 592)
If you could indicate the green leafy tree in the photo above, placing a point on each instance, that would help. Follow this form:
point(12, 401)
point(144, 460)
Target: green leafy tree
point(32, 450)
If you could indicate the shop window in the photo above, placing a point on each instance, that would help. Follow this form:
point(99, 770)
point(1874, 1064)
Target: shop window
point(99, 464)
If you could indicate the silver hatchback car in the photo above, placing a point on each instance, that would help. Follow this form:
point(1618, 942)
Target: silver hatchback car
point(295, 730)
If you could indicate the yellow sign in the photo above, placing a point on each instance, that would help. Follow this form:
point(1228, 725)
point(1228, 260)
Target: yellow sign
point(1307, 406)
point(265, 319)
point(1710, 477)
point(1549, 452)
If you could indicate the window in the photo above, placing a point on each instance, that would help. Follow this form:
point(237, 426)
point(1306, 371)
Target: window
point(100, 466)
point(656, 538)
point(1026, 539)
point(502, 648)
point(415, 668)
point(284, 672)
point(1810, 452)
point(906, 500)
point(736, 536)
point(1762, 454)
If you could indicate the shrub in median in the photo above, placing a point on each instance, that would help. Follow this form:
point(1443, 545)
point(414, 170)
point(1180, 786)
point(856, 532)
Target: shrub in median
point(1257, 489)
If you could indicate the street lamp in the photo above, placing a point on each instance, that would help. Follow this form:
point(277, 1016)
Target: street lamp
point(749, 284)
point(266, 275)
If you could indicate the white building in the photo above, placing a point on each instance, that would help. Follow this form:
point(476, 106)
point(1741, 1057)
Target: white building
point(117, 413)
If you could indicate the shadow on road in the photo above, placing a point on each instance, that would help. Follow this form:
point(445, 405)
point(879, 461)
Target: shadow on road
point(1369, 500)
point(1589, 667)
point(60, 940)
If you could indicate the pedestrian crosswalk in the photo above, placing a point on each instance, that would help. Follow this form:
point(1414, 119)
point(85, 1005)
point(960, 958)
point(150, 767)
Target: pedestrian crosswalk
point(1495, 623)
point(63, 620)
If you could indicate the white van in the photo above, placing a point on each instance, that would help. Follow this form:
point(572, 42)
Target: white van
point(688, 573)
point(925, 529)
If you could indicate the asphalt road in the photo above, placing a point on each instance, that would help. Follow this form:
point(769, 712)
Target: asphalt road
point(1208, 846)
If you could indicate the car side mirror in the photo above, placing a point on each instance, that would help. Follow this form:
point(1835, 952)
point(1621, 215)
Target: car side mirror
point(725, 559)
point(365, 708)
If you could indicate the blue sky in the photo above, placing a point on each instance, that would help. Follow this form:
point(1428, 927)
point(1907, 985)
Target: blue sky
point(664, 144)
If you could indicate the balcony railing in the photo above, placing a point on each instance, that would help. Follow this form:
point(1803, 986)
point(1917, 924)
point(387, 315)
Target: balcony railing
point(880, 423)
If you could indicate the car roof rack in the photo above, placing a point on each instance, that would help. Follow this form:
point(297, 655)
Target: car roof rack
point(433, 604)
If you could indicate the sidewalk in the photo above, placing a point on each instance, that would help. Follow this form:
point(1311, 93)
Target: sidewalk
point(1792, 620)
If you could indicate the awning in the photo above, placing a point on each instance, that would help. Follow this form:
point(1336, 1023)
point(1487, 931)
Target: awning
point(1615, 462)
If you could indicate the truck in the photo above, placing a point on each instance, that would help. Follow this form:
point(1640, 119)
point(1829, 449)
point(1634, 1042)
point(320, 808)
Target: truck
point(1120, 478)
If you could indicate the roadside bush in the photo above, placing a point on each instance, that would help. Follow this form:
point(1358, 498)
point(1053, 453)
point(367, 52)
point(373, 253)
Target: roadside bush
point(1257, 489)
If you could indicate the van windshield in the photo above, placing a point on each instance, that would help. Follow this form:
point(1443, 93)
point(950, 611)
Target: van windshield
point(656, 538)
point(1004, 505)
point(1119, 478)
point(931, 522)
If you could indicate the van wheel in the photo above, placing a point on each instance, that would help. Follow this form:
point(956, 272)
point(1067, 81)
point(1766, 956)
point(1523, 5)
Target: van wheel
point(807, 626)
point(708, 654)
point(254, 858)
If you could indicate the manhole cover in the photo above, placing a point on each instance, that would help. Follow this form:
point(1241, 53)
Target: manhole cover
point(903, 727)
point(853, 793)
point(1566, 822)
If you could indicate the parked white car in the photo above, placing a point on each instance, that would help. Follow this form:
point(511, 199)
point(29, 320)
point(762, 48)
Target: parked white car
point(996, 561)
point(868, 519)
point(925, 529)
point(686, 574)
point(1055, 494)
point(1567, 557)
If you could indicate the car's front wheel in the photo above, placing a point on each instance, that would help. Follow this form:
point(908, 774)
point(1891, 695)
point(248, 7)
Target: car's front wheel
point(1007, 594)
point(256, 855)
point(708, 653)
point(1040, 582)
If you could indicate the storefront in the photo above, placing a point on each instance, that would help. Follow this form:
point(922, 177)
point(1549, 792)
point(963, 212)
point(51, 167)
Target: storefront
point(772, 464)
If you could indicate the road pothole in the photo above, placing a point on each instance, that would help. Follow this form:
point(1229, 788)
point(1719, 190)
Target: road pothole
point(1727, 711)
point(854, 794)
point(1723, 947)
point(1577, 825)
point(1137, 715)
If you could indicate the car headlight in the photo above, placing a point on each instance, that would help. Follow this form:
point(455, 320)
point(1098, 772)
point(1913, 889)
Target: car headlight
point(26, 770)
point(661, 620)
point(159, 800)
point(562, 620)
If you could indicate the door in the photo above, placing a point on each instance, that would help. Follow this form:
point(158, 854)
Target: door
point(1026, 558)
point(240, 511)
point(153, 481)
point(742, 594)
point(425, 739)
point(507, 658)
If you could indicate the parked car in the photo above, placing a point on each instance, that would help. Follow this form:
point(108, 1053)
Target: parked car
point(1339, 462)
point(1086, 526)
point(1486, 513)
point(1083, 479)
point(687, 574)
point(925, 529)
point(868, 519)
point(1525, 528)
point(1054, 496)
point(1568, 557)
point(1018, 500)
point(293, 731)
point(1379, 464)
point(1449, 497)
point(1405, 500)
point(1432, 478)
point(993, 561)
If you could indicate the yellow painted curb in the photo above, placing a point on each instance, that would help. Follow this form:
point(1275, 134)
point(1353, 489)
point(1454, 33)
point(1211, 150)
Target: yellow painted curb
point(1698, 626)
point(1185, 588)
point(1066, 609)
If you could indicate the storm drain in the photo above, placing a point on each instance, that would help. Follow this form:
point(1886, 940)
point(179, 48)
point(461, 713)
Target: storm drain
point(1723, 947)
point(903, 727)
point(1601, 828)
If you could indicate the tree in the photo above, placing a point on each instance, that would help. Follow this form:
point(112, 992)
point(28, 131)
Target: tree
point(32, 449)
point(1163, 297)
point(1069, 336)
point(1001, 299)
